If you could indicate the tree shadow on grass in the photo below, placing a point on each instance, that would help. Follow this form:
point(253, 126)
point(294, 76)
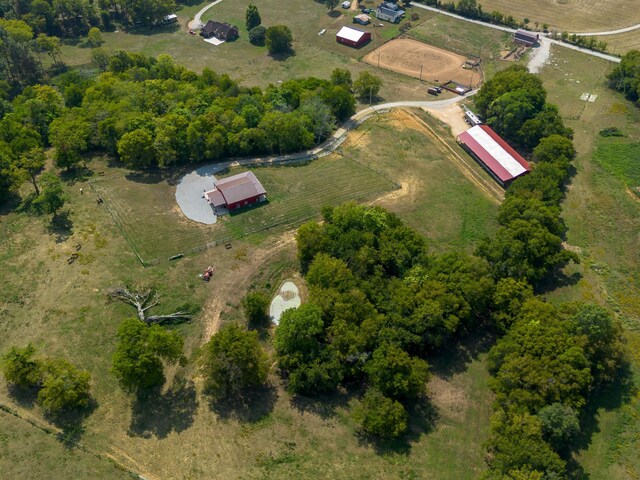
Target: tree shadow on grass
point(250, 406)
point(324, 406)
point(423, 416)
point(71, 423)
point(455, 358)
point(157, 414)
point(24, 396)
point(61, 226)
point(81, 173)
point(608, 397)
point(281, 57)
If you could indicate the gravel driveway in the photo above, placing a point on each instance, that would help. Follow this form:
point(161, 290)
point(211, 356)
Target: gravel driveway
point(189, 194)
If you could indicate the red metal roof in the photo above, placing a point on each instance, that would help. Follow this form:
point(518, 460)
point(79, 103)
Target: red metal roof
point(494, 152)
point(240, 187)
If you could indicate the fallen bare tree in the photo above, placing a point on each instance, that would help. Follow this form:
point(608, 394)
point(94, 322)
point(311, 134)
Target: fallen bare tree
point(144, 301)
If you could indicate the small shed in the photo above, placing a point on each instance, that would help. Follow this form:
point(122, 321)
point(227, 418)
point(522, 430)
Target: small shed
point(353, 37)
point(346, 4)
point(222, 31)
point(362, 19)
point(525, 37)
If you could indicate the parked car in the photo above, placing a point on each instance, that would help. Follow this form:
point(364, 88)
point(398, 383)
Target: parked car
point(322, 32)
point(366, 10)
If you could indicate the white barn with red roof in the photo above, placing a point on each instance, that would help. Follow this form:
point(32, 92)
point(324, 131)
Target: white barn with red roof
point(495, 155)
point(235, 192)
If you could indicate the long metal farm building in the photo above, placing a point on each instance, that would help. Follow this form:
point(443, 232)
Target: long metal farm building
point(495, 155)
point(353, 37)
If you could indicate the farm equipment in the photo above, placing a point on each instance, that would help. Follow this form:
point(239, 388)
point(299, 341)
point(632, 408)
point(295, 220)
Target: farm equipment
point(208, 273)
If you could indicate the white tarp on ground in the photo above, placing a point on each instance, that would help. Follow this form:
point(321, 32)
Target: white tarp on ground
point(214, 41)
point(190, 191)
point(288, 297)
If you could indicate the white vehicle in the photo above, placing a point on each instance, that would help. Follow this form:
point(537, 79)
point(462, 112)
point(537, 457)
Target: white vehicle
point(322, 32)
point(346, 4)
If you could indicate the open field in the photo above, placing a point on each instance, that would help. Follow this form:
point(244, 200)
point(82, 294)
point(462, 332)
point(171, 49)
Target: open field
point(621, 43)
point(314, 55)
point(422, 61)
point(571, 15)
point(464, 38)
point(435, 198)
point(64, 311)
point(146, 209)
point(603, 221)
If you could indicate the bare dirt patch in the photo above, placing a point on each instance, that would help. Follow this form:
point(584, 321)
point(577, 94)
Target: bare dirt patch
point(420, 60)
point(450, 399)
point(452, 115)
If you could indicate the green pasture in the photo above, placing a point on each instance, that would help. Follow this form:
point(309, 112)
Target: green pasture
point(145, 208)
point(314, 55)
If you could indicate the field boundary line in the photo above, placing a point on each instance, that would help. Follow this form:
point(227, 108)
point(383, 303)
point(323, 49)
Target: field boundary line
point(57, 433)
point(117, 222)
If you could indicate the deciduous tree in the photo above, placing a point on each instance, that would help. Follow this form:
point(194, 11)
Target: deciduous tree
point(380, 416)
point(20, 368)
point(137, 361)
point(367, 85)
point(278, 39)
point(64, 387)
point(233, 361)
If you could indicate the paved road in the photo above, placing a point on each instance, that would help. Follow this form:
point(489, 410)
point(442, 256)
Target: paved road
point(605, 56)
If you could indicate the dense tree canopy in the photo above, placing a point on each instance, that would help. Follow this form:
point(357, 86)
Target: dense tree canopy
point(380, 416)
point(64, 387)
point(278, 39)
point(20, 368)
point(625, 77)
point(137, 361)
point(233, 361)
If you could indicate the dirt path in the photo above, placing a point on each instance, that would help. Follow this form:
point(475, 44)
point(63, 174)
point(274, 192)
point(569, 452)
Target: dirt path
point(487, 186)
point(197, 19)
point(452, 115)
point(231, 281)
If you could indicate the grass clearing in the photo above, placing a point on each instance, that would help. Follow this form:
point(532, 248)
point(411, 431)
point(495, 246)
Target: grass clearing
point(145, 206)
point(436, 199)
point(314, 55)
point(63, 311)
point(570, 15)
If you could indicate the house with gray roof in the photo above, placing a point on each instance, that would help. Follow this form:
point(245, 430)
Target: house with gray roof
point(389, 12)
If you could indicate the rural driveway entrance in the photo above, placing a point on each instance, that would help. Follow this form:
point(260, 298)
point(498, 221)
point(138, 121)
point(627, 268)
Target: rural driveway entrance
point(189, 194)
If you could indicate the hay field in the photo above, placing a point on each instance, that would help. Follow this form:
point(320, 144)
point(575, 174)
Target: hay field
point(571, 15)
point(420, 60)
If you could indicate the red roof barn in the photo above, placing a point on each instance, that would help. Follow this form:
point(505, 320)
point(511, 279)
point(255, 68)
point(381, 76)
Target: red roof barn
point(236, 192)
point(495, 155)
point(353, 37)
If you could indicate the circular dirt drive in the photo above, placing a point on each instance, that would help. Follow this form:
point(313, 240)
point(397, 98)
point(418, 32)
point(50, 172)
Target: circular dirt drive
point(407, 56)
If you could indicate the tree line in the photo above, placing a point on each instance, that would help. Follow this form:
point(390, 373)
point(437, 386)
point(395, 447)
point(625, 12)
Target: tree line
point(74, 18)
point(625, 77)
point(153, 113)
point(549, 360)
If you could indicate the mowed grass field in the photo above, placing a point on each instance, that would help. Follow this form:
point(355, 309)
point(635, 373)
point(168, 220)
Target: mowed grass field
point(314, 55)
point(571, 15)
point(63, 310)
point(603, 220)
point(154, 225)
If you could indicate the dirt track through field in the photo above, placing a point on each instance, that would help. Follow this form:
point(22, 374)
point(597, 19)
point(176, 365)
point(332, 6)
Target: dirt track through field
point(486, 185)
point(423, 61)
point(231, 281)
